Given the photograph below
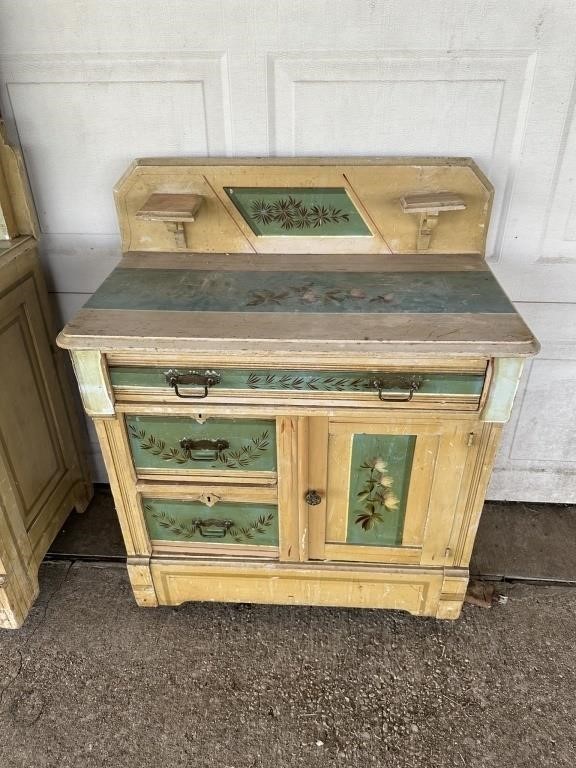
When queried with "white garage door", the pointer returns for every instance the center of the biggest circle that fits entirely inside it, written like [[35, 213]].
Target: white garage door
[[86, 85]]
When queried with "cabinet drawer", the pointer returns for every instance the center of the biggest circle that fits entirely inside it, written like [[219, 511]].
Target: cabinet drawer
[[240, 449], [225, 527], [371, 387]]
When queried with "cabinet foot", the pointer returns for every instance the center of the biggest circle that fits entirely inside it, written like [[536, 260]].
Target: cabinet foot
[[84, 495], [141, 581], [453, 593]]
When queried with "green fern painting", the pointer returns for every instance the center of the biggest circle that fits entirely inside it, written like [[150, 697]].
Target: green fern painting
[[226, 444], [299, 211], [224, 523]]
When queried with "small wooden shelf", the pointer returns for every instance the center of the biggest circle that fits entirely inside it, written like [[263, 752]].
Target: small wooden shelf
[[429, 206], [174, 209]]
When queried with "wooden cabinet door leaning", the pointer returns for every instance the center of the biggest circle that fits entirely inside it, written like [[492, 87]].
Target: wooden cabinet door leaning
[[42, 469], [298, 374]]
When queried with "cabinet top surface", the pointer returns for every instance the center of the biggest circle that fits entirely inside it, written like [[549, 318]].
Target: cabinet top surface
[[425, 304], [371, 256]]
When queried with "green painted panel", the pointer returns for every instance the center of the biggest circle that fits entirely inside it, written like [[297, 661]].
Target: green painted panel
[[379, 480], [306, 292], [156, 443], [298, 211], [224, 523], [308, 381]]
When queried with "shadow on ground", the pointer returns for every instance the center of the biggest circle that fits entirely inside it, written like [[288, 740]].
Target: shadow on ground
[[514, 541], [92, 680]]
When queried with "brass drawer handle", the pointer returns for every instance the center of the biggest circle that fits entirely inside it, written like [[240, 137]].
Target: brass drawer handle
[[213, 447], [212, 529], [380, 384], [207, 379]]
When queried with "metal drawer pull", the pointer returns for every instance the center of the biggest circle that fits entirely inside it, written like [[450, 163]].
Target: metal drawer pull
[[178, 378], [380, 385], [213, 447], [212, 529]]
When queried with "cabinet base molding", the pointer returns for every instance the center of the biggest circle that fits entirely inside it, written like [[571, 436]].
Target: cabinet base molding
[[419, 591]]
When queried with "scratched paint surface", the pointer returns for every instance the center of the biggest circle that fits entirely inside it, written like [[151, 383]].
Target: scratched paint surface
[[301, 292]]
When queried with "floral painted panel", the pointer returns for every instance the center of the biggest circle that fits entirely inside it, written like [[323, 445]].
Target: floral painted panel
[[309, 292], [379, 481], [217, 444], [224, 523], [298, 211]]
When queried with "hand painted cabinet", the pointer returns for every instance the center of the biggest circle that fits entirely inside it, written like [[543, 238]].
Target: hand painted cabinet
[[298, 374], [43, 474]]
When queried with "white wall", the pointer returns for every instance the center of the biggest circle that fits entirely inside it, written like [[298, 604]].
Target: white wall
[[86, 85]]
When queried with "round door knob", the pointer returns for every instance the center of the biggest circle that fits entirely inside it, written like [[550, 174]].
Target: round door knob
[[313, 498]]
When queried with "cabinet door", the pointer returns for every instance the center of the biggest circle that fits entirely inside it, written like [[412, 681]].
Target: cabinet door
[[389, 490], [43, 475]]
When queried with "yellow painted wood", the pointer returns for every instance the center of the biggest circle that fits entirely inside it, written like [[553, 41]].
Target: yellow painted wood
[[285, 407], [195, 491], [482, 453], [190, 333], [419, 491], [317, 462], [416, 590], [122, 478], [280, 360], [17, 214], [161, 206], [505, 380], [379, 183], [43, 472], [94, 382], [292, 537], [439, 461]]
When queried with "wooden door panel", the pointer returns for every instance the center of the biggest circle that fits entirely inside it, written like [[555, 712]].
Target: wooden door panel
[[42, 474], [33, 457], [28, 430], [37, 445]]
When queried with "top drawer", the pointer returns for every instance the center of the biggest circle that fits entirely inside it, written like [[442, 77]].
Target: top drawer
[[460, 389]]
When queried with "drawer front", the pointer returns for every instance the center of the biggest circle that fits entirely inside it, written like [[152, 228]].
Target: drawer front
[[363, 384], [225, 525], [220, 446]]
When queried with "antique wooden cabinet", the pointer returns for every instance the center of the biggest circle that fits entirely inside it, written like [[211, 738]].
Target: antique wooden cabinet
[[43, 474], [298, 374]]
